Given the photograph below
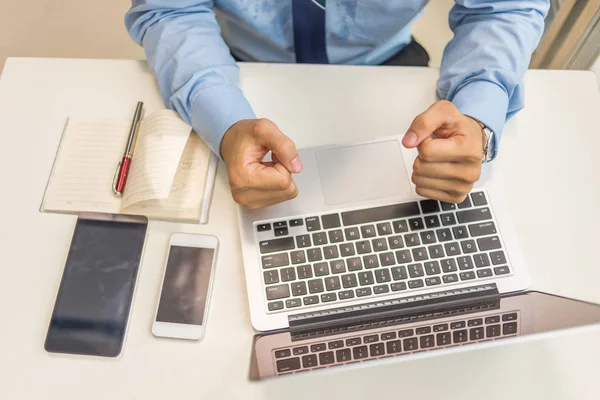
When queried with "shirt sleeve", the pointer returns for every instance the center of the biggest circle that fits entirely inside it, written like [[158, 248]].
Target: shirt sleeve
[[196, 73], [484, 64]]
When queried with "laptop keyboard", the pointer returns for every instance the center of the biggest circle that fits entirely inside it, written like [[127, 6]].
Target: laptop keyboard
[[373, 252], [354, 347]]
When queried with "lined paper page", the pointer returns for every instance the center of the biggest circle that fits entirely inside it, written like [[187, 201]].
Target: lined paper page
[[85, 166], [187, 192], [161, 138]]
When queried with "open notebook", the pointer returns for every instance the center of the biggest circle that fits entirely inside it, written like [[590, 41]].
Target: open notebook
[[171, 177]]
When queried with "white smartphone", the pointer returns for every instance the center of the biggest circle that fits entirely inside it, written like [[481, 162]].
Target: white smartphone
[[186, 287]]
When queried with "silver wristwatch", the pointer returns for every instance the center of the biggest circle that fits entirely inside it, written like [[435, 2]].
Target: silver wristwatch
[[488, 143]]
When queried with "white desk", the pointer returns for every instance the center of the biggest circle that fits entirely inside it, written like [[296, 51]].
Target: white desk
[[549, 161]]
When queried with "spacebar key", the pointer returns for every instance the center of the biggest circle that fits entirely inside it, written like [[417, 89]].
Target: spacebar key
[[273, 245], [380, 213]]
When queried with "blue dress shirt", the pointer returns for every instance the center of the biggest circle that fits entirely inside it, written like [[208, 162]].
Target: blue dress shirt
[[188, 43]]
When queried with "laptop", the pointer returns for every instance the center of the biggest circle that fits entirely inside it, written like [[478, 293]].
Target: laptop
[[479, 319], [358, 238]]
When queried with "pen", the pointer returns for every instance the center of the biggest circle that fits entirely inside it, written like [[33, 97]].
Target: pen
[[123, 166]]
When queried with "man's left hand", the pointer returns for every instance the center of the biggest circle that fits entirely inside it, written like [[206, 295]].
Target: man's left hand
[[450, 146]]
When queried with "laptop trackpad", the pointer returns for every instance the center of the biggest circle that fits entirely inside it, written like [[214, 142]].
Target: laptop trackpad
[[362, 172]]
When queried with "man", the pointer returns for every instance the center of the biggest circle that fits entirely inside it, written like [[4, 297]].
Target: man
[[189, 45]]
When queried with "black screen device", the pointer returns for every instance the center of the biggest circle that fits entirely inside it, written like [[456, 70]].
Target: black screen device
[[96, 291]]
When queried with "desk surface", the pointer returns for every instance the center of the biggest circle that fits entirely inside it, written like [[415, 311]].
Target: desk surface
[[548, 161]]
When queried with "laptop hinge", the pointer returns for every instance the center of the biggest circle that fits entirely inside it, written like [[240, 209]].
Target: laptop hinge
[[419, 304]]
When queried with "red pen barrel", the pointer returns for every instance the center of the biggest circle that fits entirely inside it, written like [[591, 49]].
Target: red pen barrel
[[123, 173]]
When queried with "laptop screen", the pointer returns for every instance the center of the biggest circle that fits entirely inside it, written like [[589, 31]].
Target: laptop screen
[[510, 316]]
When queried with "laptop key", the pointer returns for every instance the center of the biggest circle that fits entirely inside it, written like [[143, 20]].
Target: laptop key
[[321, 269], [419, 254], [377, 349], [465, 276], [476, 333], [276, 305], [368, 231], [345, 294], [352, 233], [501, 270], [394, 346], [263, 227], [349, 281], [271, 276], [416, 224], [475, 215], [326, 358], [278, 292], [440, 327], [298, 351], [406, 333], [484, 273], [429, 206], [415, 270], [481, 260], [416, 283], [290, 364], [309, 361], [460, 232], [468, 246], [360, 352], [275, 245], [451, 278], [319, 238], [347, 249], [296, 222], [399, 273], [412, 239], [432, 281], [465, 262], [388, 336], [509, 328], [492, 320], [403, 256], [466, 203], [304, 271], [283, 353], [458, 325], [363, 247], [303, 241], [331, 221], [314, 254], [328, 297], [492, 330], [371, 338], [410, 344], [384, 228], [336, 236], [353, 341], [423, 330], [362, 292], [330, 252], [292, 303], [354, 264], [460, 336], [400, 226], [509, 317], [478, 199], [436, 251], [432, 221], [398, 286], [336, 344], [343, 355], [475, 322], [281, 231], [489, 243], [387, 259], [332, 283], [315, 348], [432, 268], [315, 286], [448, 265], [309, 300], [365, 278], [313, 224], [379, 244], [427, 237], [443, 339], [288, 274], [444, 235], [337, 266], [448, 206], [370, 261], [498, 257], [298, 257], [427, 341], [382, 275], [396, 242], [299, 288], [452, 249], [448, 219], [381, 289], [482, 228]]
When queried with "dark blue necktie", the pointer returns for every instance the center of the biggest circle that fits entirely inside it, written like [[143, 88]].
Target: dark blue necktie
[[309, 31]]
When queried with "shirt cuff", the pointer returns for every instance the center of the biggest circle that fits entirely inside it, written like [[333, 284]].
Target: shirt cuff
[[486, 102], [215, 109]]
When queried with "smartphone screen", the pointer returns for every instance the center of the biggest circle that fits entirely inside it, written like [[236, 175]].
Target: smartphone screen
[[94, 299], [185, 287]]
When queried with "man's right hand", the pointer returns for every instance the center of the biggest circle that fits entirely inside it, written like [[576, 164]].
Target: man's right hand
[[256, 184]]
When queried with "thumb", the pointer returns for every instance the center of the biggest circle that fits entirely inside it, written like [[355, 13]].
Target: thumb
[[425, 124], [284, 150]]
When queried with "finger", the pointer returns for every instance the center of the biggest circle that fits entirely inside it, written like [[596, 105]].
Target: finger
[[447, 170], [254, 199], [452, 149], [268, 176], [450, 186], [437, 116], [267, 134], [439, 195]]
